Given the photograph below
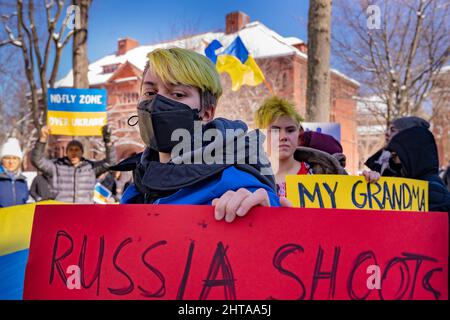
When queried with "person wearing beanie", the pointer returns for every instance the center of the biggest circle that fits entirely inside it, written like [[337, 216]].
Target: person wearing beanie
[[323, 142], [320, 141], [13, 184], [404, 123], [381, 160], [72, 177]]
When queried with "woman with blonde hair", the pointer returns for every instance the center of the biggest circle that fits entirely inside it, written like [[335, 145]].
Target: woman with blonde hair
[[279, 116]]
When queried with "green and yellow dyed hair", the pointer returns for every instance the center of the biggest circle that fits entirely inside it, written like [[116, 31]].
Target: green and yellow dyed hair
[[186, 67], [273, 108]]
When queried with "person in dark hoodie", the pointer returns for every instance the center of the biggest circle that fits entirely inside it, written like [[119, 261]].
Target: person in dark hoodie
[[179, 94], [415, 151], [382, 161]]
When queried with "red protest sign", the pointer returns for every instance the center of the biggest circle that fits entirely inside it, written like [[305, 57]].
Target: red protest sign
[[181, 252]]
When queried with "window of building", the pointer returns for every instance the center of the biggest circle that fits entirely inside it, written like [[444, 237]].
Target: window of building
[[129, 97], [110, 68]]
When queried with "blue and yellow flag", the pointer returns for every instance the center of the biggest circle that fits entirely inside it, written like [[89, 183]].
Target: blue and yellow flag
[[237, 62], [101, 194], [15, 232]]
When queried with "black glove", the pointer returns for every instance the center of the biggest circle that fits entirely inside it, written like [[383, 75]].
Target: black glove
[[106, 132]]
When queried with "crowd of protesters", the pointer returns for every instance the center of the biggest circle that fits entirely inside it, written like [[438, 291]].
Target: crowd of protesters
[[179, 87]]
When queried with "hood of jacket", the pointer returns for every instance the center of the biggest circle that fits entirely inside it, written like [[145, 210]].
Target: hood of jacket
[[17, 176], [321, 162], [65, 161], [230, 144], [417, 151]]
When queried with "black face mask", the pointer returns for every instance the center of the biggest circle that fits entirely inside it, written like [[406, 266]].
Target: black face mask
[[160, 117]]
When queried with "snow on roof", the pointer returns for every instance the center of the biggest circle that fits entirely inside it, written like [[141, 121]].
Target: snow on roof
[[261, 42], [340, 74], [371, 130], [126, 79], [445, 69], [369, 104], [293, 40]]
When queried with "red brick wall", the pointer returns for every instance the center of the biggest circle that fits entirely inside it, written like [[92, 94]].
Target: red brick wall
[[126, 44], [235, 21], [122, 103], [343, 111]]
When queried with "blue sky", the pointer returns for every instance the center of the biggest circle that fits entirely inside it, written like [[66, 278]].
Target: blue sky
[[151, 21]]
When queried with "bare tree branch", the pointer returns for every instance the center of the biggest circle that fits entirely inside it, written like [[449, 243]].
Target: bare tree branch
[[398, 60], [36, 58]]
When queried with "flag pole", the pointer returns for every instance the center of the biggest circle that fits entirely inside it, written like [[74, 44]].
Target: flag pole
[[268, 86]]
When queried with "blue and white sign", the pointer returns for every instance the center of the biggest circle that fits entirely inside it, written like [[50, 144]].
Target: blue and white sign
[[331, 128]]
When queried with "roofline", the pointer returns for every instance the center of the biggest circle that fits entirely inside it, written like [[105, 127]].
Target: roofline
[[302, 55], [180, 38], [250, 24]]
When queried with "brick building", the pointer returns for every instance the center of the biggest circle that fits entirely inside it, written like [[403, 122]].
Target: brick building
[[283, 60], [440, 97]]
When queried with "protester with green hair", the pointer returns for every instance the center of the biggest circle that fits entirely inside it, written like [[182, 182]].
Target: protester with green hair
[[283, 124], [179, 94]]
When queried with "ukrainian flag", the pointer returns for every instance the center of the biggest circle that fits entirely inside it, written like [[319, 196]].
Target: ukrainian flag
[[101, 194], [16, 223], [237, 62]]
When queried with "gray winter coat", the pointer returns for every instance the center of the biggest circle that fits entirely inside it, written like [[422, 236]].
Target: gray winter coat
[[69, 183]]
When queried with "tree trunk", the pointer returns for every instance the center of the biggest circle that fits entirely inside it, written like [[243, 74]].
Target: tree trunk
[[80, 62], [79, 53], [318, 83]]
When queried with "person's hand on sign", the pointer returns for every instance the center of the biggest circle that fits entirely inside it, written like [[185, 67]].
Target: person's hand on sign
[[106, 133], [239, 203], [371, 176], [45, 132]]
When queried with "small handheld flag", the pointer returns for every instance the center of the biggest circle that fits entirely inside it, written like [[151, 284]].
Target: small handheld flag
[[101, 194]]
